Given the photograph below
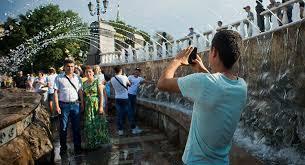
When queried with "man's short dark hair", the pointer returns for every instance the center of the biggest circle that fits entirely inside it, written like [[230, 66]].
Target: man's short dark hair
[[117, 69], [227, 43], [52, 70], [68, 61]]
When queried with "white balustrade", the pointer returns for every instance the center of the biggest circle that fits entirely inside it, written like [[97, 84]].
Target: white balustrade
[[283, 8], [202, 41]]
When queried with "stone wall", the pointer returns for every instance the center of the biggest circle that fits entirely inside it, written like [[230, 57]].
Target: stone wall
[[25, 134], [273, 66]]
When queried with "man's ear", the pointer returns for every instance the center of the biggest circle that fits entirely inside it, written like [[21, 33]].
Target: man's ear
[[214, 52]]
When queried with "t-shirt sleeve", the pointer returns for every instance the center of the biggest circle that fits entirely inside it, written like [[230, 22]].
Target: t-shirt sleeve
[[193, 86]]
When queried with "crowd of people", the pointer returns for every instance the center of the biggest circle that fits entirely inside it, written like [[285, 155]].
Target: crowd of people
[[77, 93]]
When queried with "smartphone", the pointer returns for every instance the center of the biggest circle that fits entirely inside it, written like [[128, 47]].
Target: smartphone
[[192, 56]]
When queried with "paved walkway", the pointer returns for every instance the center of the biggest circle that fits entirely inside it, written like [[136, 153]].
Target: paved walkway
[[149, 148]]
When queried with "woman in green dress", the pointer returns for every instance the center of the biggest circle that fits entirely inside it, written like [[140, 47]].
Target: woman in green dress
[[95, 125]]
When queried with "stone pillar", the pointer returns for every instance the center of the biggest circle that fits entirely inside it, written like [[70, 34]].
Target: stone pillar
[[139, 41], [103, 41]]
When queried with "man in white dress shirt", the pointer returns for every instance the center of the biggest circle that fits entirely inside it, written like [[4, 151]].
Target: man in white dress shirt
[[68, 92]]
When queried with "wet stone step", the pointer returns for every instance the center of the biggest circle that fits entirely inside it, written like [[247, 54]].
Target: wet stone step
[[126, 140]]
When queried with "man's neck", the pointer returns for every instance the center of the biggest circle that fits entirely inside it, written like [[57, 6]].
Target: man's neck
[[69, 74], [227, 72]]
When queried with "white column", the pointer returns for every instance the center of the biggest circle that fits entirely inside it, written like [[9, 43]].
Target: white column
[[155, 51], [185, 44], [116, 58], [163, 55], [106, 59], [267, 22], [174, 49], [275, 22], [285, 16], [146, 52], [250, 30], [195, 41], [122, 56], [130, 54], [137, 56], [179, 46], [201, 43], [242, 29], [109, 58]]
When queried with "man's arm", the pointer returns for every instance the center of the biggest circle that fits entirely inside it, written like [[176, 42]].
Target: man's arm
[[101, 99], [128, 83], [167, 82], [56, 101]]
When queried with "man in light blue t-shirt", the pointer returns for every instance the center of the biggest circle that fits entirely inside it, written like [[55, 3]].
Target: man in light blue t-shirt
[[219, 97]]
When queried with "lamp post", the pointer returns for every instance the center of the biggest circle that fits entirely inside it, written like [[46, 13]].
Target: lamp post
[[98, 10]]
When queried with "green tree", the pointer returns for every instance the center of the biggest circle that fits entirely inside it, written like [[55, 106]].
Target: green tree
[[46, 32]]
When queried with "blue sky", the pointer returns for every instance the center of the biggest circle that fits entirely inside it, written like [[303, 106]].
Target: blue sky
[[172, 16]]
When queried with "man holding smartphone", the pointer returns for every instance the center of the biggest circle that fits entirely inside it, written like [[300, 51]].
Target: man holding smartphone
[[219, 97]]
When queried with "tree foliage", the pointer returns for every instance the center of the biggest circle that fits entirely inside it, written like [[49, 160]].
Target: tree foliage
[[41, 30], [128, 30]]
